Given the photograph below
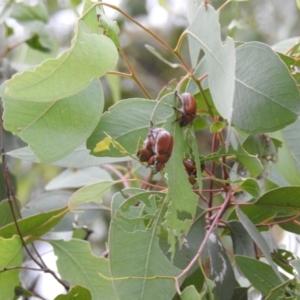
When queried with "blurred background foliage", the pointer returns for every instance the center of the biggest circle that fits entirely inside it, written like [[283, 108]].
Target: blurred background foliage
[[31, 31], [34, 30]]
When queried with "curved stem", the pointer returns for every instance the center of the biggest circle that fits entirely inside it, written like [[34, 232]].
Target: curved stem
[[118, 173], [135, 22], [224, 5], [208, 233], [13, 206], [214, 144], [133, 75]]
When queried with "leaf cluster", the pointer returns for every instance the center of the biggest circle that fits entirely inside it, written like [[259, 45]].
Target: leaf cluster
[[167, 238]]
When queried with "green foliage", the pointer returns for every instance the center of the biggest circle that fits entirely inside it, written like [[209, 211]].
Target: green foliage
[[261, 275], [70, 127], [75, 254], [192, 231], [11, 256], [260, 78], [76, 292]]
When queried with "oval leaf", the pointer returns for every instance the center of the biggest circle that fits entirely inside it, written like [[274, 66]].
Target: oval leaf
[[220, 58], [283, 199], [34, 226], [90, 193], [261, 275], [68, 122], [79, 266], [79, 158], [92, 54], [11, 255], [266, 96]]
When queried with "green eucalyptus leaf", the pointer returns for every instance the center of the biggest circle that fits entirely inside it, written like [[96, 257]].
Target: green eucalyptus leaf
[[89, 15], [77, 265], [296, 265], [34, 226], [282, 258], [68, 122], [288, 164], [263, 146], [242, 241], [250, 186], [282, 199], [90, 193], [55, 200], [6, 215], [37, 43], [259, 240], [128, 132], [190, 293], [20, 291], [251, 162], [181, 199], [258, 214], [221, 272], [11, 255], [240, 293], [23, 12], [185, 253], [137, 257], [110, 29], [59, 78], [289, 61], [73, 178], [219, 56], [261, 275], [284, 291], [160, 57], [217, 126], [290, 226], [132, 131], [79, 158], [136, 210], [46, 202], [285, 45], [78, 292], [266, 96]]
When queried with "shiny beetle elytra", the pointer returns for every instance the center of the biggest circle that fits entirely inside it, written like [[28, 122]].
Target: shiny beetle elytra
[[162, 149], [188, 110], [191, 170], [145, 153], [157, 148]]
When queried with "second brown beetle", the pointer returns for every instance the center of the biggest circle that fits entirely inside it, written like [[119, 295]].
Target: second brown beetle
[[163, 149], [188, 109], [190, 168], [144, 154]]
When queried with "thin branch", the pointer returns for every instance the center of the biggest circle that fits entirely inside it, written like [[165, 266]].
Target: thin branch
[[292, 219], [118, 173], [10, 196], [208, 233], [133, 74], [224, 5]]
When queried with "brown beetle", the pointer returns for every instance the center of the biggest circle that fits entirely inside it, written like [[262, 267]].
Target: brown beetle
[[157, 148], [191, 170], [144, 154], [163, 149], [188, 109]]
